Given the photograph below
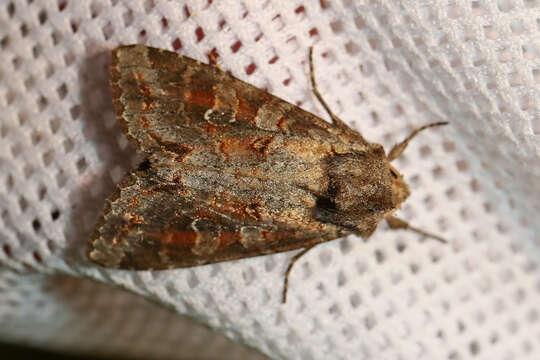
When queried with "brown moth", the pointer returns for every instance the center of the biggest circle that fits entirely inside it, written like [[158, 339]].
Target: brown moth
[[232, 171]]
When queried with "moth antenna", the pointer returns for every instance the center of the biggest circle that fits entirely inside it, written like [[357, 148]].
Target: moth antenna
[[288, 271], [337, 121], [396, 223], [398, 149]]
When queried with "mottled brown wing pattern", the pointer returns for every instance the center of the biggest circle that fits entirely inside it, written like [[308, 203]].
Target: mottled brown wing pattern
[[179, 110], [233, 171], [198, 226], [157, 93]]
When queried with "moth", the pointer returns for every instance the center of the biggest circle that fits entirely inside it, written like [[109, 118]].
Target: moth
[[232, 171]]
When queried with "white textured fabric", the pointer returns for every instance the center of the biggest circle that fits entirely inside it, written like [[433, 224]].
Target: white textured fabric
[[385, 67]]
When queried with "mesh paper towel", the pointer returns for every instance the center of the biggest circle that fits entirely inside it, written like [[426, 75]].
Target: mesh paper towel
[[385, 67]]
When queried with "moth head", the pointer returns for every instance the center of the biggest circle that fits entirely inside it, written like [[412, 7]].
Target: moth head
[[400, 189]]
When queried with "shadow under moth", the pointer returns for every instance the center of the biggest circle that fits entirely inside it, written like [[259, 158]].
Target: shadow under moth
[[232, 171]]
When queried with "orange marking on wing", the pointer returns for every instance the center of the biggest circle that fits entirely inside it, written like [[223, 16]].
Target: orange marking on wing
[[272, 236], [203, 213], [224, 203], [145, 90], [182, 152], [210, 129], [177, 178], [134, 219], [227, 238], [134, 202], [137, 75], [146, 106], [145, 123], [199, 97], [177, 237], [233, 147], [282, 123], [244, 111], [252, 210], [262, 144]]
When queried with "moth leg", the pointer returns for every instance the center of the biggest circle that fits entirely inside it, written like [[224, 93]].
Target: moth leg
[[288, 271], [398, 149], [396, 223], [213, 60], [337, 121]]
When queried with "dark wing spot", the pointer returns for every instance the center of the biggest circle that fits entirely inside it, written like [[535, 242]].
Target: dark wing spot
[[145, 165]]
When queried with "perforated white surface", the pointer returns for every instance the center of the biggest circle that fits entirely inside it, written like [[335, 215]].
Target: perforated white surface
[[385, 67]]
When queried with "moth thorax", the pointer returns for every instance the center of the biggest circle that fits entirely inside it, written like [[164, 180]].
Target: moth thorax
[[360, 187]]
